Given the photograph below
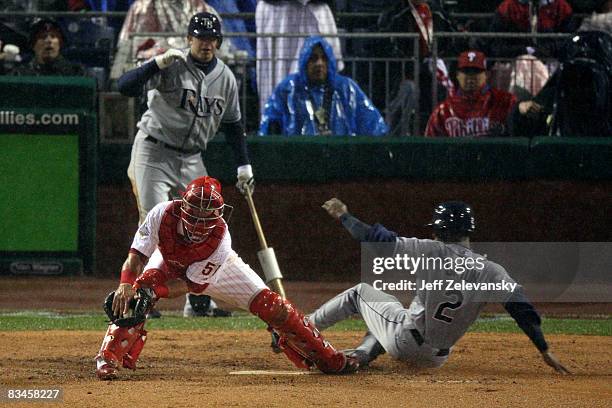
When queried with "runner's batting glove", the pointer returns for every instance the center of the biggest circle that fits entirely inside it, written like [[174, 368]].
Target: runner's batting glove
[[166, 59], [245, 179]]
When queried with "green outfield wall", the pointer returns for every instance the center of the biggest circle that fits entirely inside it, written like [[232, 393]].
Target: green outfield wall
[[326, 159], [48, 150]]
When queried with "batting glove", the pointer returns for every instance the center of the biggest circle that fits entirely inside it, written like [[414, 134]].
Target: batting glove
[[166, 59], [245, 179]]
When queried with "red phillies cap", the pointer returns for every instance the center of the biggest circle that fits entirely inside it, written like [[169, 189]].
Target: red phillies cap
[[472, 59]]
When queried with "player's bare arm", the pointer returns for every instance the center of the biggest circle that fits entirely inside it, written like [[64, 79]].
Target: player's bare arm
[[133, 265], [335, 208]]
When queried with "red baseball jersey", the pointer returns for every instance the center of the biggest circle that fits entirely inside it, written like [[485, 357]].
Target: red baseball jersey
[[480, 114], [551, 14], [181, 259]]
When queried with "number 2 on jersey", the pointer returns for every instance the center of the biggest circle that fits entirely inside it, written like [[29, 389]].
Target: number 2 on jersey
[[449, 305], [210, 269]]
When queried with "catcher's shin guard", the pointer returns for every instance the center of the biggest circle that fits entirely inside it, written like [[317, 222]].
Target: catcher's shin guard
[[297, 333], [121, 346], [293, 355]]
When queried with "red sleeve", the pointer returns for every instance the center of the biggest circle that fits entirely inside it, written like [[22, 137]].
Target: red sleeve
[[565, 10], [435, 123], [76, 5], [504, 9]]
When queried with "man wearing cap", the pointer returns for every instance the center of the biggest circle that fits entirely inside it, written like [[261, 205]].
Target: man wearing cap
[[46, 40], [476, 109]]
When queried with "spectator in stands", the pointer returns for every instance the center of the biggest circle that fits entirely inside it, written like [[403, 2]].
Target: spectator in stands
[[577, 100], [236, 25], [317, 100], [76, 5], [42, 5], [530, 16], [423, 18], [601, 20], [277, 57], [100, 5], [158, 16], [586, 6], [476, 109], [46, 40]]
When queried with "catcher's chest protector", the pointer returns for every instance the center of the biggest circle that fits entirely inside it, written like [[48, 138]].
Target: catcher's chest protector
[[298, 334]]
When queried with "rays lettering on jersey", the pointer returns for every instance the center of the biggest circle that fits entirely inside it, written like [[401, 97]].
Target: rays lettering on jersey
[[456, 127], [203, 106]]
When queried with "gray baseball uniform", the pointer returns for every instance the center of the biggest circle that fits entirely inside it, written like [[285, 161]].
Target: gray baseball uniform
[[186, 106], [437, 318]]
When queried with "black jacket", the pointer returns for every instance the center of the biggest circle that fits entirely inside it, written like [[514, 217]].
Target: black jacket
[[58, 67]]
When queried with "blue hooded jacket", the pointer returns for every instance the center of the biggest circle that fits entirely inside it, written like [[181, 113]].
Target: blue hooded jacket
[[294, 102]]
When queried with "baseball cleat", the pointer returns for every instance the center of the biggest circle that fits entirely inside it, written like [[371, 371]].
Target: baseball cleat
[[154, 314], [350, 366], [362, 357], [106, 372]]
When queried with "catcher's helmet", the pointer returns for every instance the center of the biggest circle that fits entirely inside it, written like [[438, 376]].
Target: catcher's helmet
[[206, 25], [453, 216], [201, 208], [45, 24]]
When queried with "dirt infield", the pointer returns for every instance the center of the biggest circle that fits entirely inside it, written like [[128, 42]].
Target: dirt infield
[[191, 369]]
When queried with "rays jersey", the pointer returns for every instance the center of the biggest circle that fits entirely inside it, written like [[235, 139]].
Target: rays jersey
[[443, 313], [186, 107]]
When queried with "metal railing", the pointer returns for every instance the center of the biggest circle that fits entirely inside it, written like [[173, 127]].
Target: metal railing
[[354, 67]]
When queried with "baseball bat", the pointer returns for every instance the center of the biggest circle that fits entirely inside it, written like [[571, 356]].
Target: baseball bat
[[266, 255]]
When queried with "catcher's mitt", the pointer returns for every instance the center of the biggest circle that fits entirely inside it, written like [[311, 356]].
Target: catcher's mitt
[[140, 305]]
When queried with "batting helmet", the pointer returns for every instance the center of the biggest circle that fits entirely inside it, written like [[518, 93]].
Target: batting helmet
[[206, 25], [201, 208], [45, 24], [454, 217]]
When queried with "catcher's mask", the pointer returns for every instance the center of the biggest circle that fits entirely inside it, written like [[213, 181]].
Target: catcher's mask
[[202, 207]]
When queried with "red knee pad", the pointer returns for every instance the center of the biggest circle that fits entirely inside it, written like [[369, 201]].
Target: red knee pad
[[155, 279], [122, 345], [298, 334]]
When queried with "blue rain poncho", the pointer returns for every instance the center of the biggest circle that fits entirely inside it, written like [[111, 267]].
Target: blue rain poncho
[[294, 102]]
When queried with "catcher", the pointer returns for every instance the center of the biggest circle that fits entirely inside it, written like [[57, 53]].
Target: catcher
[[184, 246]]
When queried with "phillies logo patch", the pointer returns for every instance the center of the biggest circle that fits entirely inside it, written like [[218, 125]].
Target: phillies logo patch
[[471, 56]]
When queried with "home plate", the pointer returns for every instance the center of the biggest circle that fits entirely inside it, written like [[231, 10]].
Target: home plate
[[270, 372]]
